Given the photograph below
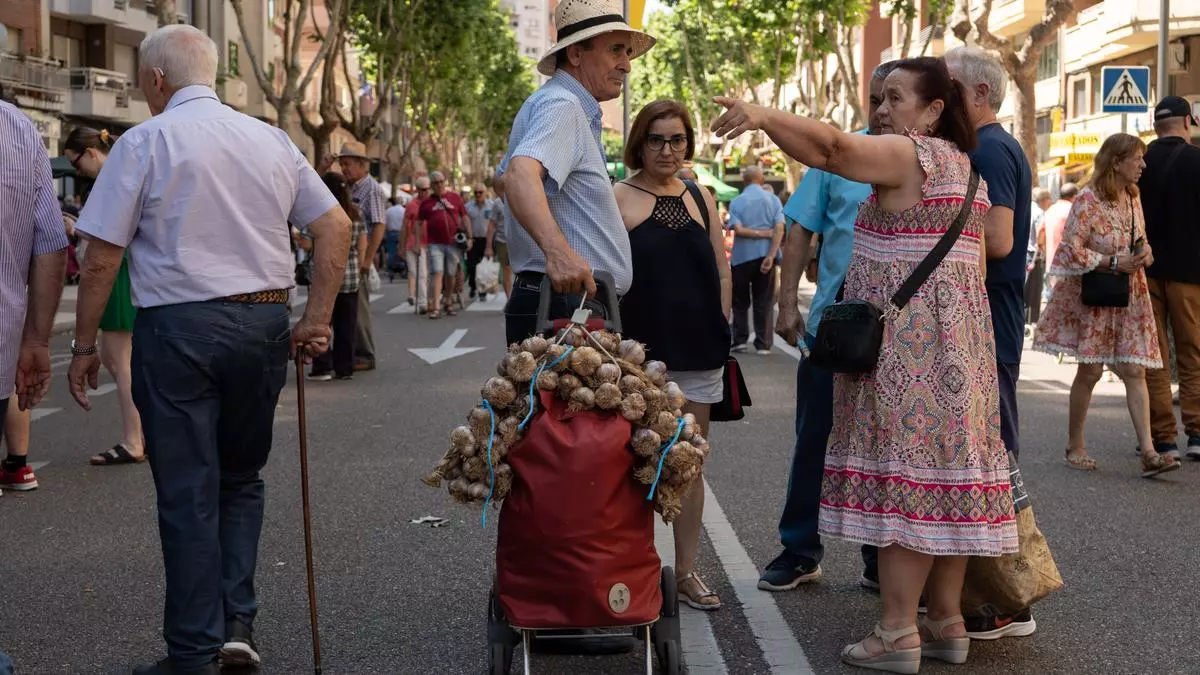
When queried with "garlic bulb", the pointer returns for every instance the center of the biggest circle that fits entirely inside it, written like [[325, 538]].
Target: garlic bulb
[[522, 367], [632, 384], [632, 351], [567, 383], [646, 443], [609, 340], [608, 373], [608, 396], [548, 380], [633, 408], [675, 397], [536, 345], [500, 392], [586, 361], [656, 371], [461, 437], [582, 398]]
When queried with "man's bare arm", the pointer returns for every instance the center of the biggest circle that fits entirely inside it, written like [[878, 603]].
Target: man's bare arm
[[46, 275], [331, 251], [998, 224], [100, 268]]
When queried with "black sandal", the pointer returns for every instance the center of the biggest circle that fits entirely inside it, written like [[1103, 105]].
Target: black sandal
[[117, 454]]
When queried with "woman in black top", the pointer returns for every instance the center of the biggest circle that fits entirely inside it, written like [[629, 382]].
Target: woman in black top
[[679, 302]]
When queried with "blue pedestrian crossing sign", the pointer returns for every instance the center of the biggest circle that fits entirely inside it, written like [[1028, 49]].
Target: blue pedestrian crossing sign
[[1125, 89]]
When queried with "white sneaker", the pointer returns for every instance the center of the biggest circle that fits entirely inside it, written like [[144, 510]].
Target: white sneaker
[[763, 352]]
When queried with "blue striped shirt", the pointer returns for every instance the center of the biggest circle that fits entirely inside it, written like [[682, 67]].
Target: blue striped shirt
[[31, 224], [559, 126]]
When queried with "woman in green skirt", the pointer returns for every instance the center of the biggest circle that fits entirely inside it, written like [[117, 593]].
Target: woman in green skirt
[[87, 149]]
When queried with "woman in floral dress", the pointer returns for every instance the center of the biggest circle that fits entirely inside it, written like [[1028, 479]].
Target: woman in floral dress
[[915, 463], [1106, 231]]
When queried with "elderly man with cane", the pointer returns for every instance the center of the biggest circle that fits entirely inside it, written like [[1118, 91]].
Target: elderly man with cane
[[206, 225]]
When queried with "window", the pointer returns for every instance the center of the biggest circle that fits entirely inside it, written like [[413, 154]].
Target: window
[[270, 9], [1047, 66], [515, 24], [232, 60], [1079, 100], [531, 51], [68, 50], [14, 39], [125, 61], [533, 22]]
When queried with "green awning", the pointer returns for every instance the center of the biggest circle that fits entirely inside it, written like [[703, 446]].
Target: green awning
[[61, 166], [725, 192]]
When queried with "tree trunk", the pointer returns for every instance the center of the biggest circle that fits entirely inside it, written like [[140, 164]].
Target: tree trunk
[[1025, 113]]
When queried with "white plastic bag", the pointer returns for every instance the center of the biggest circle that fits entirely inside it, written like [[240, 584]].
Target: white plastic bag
[[487, 275], [373, 281]]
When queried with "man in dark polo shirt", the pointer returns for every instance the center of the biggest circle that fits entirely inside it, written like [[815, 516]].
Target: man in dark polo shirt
[[1002, 163], [1170, 188]]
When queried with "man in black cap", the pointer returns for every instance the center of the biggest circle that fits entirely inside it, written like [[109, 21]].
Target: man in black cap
[[1170, 189]]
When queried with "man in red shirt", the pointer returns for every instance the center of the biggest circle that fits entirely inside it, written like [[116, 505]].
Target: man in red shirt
[[442, 215]]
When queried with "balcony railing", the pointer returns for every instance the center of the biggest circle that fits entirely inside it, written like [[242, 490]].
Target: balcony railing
[[96, 79], [42, 81]]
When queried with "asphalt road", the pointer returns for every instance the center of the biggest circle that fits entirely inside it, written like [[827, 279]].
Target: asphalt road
[[82, 574]]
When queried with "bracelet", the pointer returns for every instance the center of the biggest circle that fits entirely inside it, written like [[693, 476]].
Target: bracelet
[[82, 351], [1112, 263]]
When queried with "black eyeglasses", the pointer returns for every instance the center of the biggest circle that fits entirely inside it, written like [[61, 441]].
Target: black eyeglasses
[[656, 142], [75, 162]]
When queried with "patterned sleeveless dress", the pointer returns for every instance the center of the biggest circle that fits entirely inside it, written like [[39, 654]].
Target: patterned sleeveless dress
[[915, 457]]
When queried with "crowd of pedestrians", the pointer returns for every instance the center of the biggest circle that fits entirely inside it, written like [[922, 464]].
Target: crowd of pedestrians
[[911, 458]]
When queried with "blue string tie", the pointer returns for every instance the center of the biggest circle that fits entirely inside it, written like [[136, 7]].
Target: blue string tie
[[533, 385], [491, 470], [661, 460]]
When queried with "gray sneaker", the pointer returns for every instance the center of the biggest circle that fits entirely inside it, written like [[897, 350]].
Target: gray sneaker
[[1193, 449]]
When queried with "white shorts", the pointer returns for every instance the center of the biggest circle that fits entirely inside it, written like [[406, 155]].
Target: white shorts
[[701, 386]]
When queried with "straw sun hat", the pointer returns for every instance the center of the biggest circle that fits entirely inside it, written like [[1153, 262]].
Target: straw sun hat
[[578, 20]]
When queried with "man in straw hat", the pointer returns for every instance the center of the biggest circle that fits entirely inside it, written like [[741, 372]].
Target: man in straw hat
[[368, 197], [563, 220]]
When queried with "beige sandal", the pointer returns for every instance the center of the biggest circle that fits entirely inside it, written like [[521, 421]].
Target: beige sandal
[[935, 646], [1080, 461], [698, 601], [1157, 464], [892, 660]]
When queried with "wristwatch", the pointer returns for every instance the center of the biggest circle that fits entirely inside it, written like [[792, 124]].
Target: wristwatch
[[82, 351]]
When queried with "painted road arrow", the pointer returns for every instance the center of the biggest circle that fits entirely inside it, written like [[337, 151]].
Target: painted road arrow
[[446, 351]]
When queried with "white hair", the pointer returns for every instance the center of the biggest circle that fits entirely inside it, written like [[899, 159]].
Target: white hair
[[184, 54], [751, 173], [972, 67]]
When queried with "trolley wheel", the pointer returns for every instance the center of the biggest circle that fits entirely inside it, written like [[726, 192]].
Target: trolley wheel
[[669, 660], [501, 637], [666, 630]]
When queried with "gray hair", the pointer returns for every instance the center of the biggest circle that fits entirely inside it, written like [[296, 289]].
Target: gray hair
[[972, 66], [1040, 194], [184, 54], [750, 173], [884, 69], [1068, 191]]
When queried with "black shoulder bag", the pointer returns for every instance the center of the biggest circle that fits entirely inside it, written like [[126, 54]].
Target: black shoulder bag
[[851, 331], [736, 396], [1108, 287]]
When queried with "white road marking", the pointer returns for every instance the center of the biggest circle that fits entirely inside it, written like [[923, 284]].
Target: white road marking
[[64, 319], [70, 293], [494, 303], [779, 646], [39, 413], [701, 652], [37, 466], [445, 351], [403, 309]]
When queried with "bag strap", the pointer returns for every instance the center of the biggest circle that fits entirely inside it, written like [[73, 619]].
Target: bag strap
[[700, 203], [910, 286]]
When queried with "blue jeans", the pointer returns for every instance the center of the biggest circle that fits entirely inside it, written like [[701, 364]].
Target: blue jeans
[[814, 421], [6, 664], [391, 243], [206, 378]]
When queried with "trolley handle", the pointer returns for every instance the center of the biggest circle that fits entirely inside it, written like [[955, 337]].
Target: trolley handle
[[605, 292]]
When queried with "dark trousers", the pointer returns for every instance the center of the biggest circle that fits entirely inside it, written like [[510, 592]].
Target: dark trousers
[[814, 421], [520, 314], [1007, 375], [752, 286], [474, 256], [364, 340], [1034, 283], [340, 358], [206, 379]]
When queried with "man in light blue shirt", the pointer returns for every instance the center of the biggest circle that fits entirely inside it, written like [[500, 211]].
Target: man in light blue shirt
[[756, 218], [562, 218], [826, 205]]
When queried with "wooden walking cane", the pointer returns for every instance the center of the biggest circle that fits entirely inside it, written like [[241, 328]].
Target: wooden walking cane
[[308, 552]]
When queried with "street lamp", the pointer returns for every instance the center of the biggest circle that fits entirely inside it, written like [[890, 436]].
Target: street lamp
[[1164, 35]]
